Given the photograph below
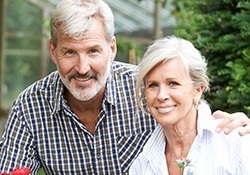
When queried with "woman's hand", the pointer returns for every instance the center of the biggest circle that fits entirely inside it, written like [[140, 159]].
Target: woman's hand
[[232, 121]]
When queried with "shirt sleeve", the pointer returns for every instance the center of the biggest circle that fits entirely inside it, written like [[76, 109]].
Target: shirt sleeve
[[17, 148], [243, 167]]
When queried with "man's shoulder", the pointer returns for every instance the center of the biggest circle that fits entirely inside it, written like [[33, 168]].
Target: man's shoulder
[[122, 67], [47, 84]]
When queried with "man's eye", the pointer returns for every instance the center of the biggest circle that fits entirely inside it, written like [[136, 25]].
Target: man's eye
[[69, 52], [94, 53], [93, 50]]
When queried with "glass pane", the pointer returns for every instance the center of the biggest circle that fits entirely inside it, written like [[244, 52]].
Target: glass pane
[[20, 71], [23, 48], [25, 43], [23, 16]]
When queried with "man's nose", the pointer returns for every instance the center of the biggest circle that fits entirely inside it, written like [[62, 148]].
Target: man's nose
[[83, 64]]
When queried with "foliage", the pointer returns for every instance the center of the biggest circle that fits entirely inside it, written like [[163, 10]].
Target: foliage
[[164, 2], [41, 172], [124, 45], [221, 30]]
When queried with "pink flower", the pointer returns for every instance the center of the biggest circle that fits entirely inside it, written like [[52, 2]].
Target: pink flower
[[183, 162]]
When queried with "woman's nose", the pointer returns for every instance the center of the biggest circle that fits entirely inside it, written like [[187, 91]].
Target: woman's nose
[[163, 94]]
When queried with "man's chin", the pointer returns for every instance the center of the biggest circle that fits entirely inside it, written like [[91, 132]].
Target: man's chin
[[84, 96]]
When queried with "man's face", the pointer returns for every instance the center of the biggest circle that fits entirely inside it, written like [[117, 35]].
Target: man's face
[[84, 65]]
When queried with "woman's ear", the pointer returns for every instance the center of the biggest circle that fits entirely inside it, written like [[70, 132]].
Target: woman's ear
[[52, 51], [198, 94]]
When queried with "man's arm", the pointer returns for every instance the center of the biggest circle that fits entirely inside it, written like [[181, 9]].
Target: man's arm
[[233, 121]]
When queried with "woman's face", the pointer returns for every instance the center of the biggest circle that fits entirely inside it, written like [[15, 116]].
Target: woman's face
[[170, 93]]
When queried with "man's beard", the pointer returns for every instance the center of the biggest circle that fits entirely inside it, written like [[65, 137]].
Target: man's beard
[[84, 93]]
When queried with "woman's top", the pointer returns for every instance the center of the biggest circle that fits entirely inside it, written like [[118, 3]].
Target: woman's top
[[211, 153]]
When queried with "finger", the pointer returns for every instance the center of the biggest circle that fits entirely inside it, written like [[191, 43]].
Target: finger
[[227, 118], [237, 122], [231, 121], [221, 114], [245, 130]]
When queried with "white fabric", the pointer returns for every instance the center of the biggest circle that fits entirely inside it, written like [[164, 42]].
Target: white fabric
[[211, 153]]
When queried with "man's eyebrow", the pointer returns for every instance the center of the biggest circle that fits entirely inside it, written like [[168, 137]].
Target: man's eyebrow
[[94, 46], [64, 49]]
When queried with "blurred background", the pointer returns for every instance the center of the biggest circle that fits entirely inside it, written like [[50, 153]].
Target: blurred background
[[219, 28], [25, 33]]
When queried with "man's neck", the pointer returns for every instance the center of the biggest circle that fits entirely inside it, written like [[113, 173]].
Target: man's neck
[[86, 111]]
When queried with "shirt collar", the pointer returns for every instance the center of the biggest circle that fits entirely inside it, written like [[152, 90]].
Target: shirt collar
[[157, 141], [110, 92], [59, 94], [206, 122]]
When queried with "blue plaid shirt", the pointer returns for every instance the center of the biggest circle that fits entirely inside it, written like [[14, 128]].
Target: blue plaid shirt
[[42, 130]]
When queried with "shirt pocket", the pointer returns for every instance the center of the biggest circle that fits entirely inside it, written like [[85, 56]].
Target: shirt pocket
[[129, 147]]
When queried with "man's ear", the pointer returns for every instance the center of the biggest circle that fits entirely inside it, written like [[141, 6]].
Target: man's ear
[[52, 51], [113, 48]]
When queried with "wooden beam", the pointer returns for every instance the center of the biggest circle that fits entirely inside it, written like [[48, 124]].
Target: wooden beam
[[3, 7], [44, 46]]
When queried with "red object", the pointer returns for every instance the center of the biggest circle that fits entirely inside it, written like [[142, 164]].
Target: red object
[[18, 171], [4, 174]]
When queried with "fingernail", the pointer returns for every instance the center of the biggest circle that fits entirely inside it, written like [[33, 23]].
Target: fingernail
[[226, 130], [241, 133], [218, 129]]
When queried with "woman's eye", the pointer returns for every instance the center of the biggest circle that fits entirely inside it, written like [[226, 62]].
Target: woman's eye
[[152, 85], [173, 84]]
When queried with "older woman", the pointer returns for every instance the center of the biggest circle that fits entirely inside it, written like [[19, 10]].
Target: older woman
[[173, 75]]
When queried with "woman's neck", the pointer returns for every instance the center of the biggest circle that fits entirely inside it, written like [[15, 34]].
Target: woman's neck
[[179, 139]]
